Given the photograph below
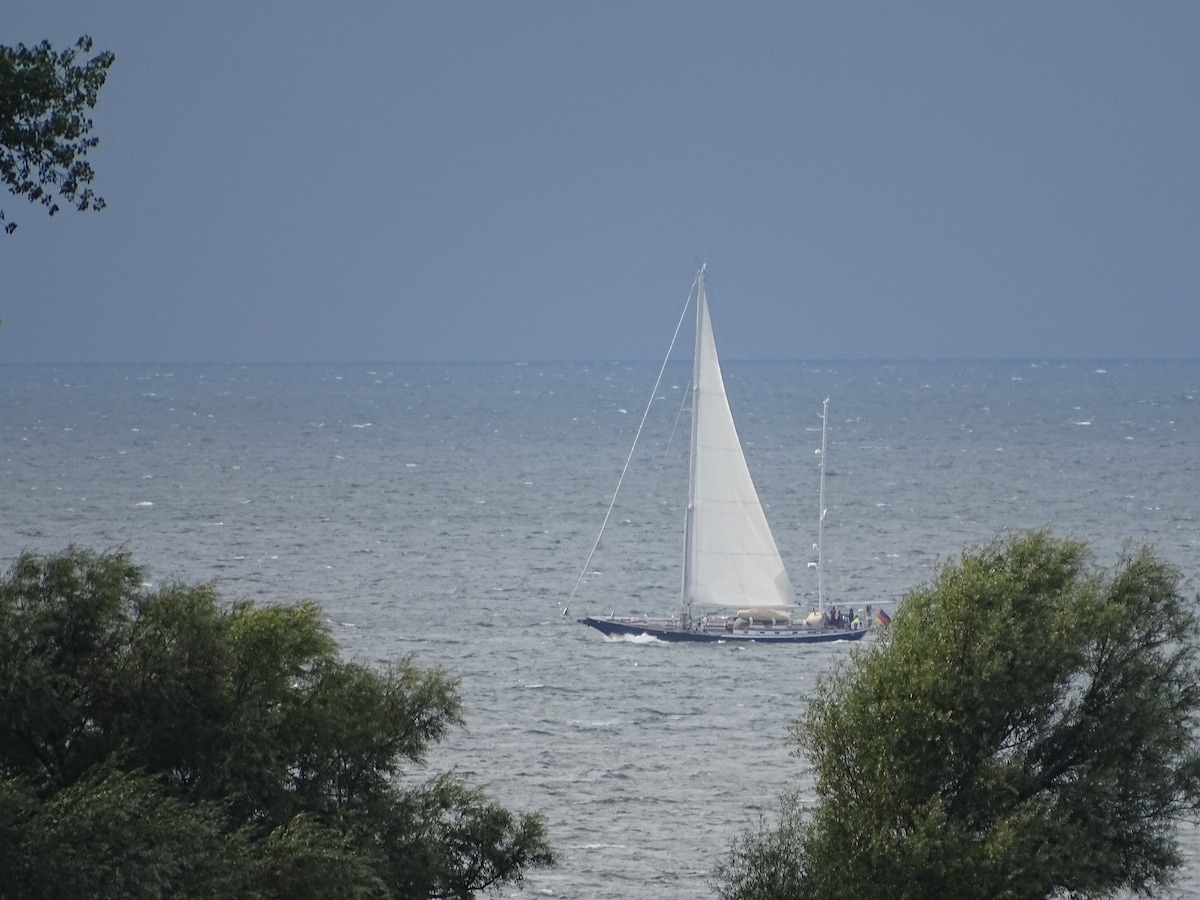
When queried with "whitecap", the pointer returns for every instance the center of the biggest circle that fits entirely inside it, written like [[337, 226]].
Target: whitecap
[[638, 639]]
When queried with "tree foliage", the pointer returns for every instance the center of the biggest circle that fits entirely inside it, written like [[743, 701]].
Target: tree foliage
[[161, 744], [1026, 728], [45, 131]]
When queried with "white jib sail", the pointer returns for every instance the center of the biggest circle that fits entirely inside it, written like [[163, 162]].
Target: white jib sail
[[731, 558]]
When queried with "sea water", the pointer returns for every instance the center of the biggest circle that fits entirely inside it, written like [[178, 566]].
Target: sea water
[[447, 511]]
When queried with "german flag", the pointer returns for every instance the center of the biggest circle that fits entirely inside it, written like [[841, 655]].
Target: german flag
[[883, 617]]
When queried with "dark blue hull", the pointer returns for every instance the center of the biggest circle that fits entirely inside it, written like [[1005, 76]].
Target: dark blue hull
[[670, 630]]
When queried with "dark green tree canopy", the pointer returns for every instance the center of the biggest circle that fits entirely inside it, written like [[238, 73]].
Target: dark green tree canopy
[[45, 132], [1026, 728], [163, 744]]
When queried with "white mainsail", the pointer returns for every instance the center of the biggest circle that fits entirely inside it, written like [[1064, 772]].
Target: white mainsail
[[730, 556]]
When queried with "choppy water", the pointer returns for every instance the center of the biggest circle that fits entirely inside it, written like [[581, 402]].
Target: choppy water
[[446, 511]]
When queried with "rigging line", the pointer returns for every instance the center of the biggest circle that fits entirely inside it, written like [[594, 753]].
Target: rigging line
[[687, 395], [637, 434], [662, 465]]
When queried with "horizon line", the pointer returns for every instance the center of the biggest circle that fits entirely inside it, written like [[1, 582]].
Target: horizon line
[[894, 360]]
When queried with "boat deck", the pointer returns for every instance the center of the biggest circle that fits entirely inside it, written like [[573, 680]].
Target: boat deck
[[717, 630]]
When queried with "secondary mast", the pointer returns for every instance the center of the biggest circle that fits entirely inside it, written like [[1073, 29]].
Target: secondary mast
[[821, 517]]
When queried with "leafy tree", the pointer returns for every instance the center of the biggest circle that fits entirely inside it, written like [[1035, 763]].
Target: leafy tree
[[1026, 728], [45, 132], [161, 744]]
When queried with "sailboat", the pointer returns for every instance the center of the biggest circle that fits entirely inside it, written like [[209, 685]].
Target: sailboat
[[735, 586]]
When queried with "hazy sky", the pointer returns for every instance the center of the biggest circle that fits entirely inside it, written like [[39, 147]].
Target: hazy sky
[[319, 181]]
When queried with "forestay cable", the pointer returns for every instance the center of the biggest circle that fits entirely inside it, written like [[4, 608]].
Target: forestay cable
[[636, 436]]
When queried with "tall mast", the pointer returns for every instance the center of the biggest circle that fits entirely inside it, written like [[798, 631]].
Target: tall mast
[[689, 522], [821, 517]]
